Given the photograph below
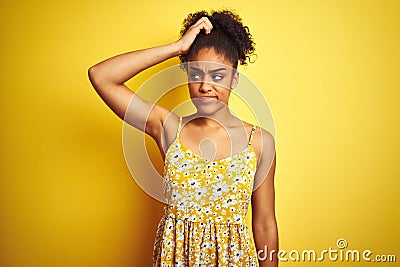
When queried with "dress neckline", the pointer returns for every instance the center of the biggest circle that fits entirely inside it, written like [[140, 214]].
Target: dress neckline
[[182, 145]]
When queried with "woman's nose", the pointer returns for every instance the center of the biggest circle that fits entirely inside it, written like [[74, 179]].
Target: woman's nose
[[205, 87]]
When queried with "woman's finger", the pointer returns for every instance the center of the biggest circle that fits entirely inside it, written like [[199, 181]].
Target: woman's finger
[[208, 22], [205, 26], [204, 23], [186, 41], [200, 20]]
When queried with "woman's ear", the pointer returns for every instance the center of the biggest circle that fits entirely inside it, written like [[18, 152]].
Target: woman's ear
[[235, 79]]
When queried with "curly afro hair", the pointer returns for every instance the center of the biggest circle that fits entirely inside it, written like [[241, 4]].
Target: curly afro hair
[[229, 37]]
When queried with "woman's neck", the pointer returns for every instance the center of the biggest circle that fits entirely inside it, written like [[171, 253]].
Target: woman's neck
[[222, 117]]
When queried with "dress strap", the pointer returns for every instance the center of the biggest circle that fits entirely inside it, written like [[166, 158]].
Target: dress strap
[[252, 134], [179, 126]]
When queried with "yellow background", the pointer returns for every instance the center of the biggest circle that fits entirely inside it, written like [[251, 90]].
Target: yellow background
[[329, 70]]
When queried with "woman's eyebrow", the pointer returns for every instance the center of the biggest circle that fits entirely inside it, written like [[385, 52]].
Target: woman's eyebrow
[[211, 71], [216, 70]]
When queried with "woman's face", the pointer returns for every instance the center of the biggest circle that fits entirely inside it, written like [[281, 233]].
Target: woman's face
[[210, 77]]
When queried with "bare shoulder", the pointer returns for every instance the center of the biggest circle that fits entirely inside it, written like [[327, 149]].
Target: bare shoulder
[[268, 139], [263, 143]]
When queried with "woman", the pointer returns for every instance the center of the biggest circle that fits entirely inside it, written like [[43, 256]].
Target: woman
[[212, 158]]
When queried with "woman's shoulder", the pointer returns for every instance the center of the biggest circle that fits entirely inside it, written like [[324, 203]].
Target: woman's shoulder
[[260, 132], [263, 141]]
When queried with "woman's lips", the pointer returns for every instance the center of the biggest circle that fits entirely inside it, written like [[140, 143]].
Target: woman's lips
[[207, 99]]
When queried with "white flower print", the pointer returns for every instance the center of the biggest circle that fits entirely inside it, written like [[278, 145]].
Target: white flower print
[[200, 192], [219, 176], [238, 254], [219, 189], [237, 218], [193, 182], [176, 196], [174, 157]]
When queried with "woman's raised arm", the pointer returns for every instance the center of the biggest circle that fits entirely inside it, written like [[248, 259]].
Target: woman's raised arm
[[108, 78]]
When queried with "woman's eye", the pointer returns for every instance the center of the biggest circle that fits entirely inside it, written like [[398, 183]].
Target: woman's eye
[[195, 76], [217, 77]]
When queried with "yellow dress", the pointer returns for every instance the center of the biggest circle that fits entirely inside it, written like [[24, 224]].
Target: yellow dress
[[204, 219]]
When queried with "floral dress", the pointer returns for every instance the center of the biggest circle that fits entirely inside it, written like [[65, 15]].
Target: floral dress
[[204, 219]]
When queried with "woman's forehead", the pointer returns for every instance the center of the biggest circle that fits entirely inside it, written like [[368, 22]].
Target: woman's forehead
[[208, 66], [208, 57]]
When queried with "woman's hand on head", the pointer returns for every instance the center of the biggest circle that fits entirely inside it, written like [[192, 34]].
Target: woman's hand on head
[[190, 35]]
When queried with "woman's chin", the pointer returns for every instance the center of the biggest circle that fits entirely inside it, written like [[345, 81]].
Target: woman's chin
[[208, 107]]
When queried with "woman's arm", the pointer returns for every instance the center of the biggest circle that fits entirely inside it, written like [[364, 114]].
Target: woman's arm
[[108, 78], [265, 230]]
